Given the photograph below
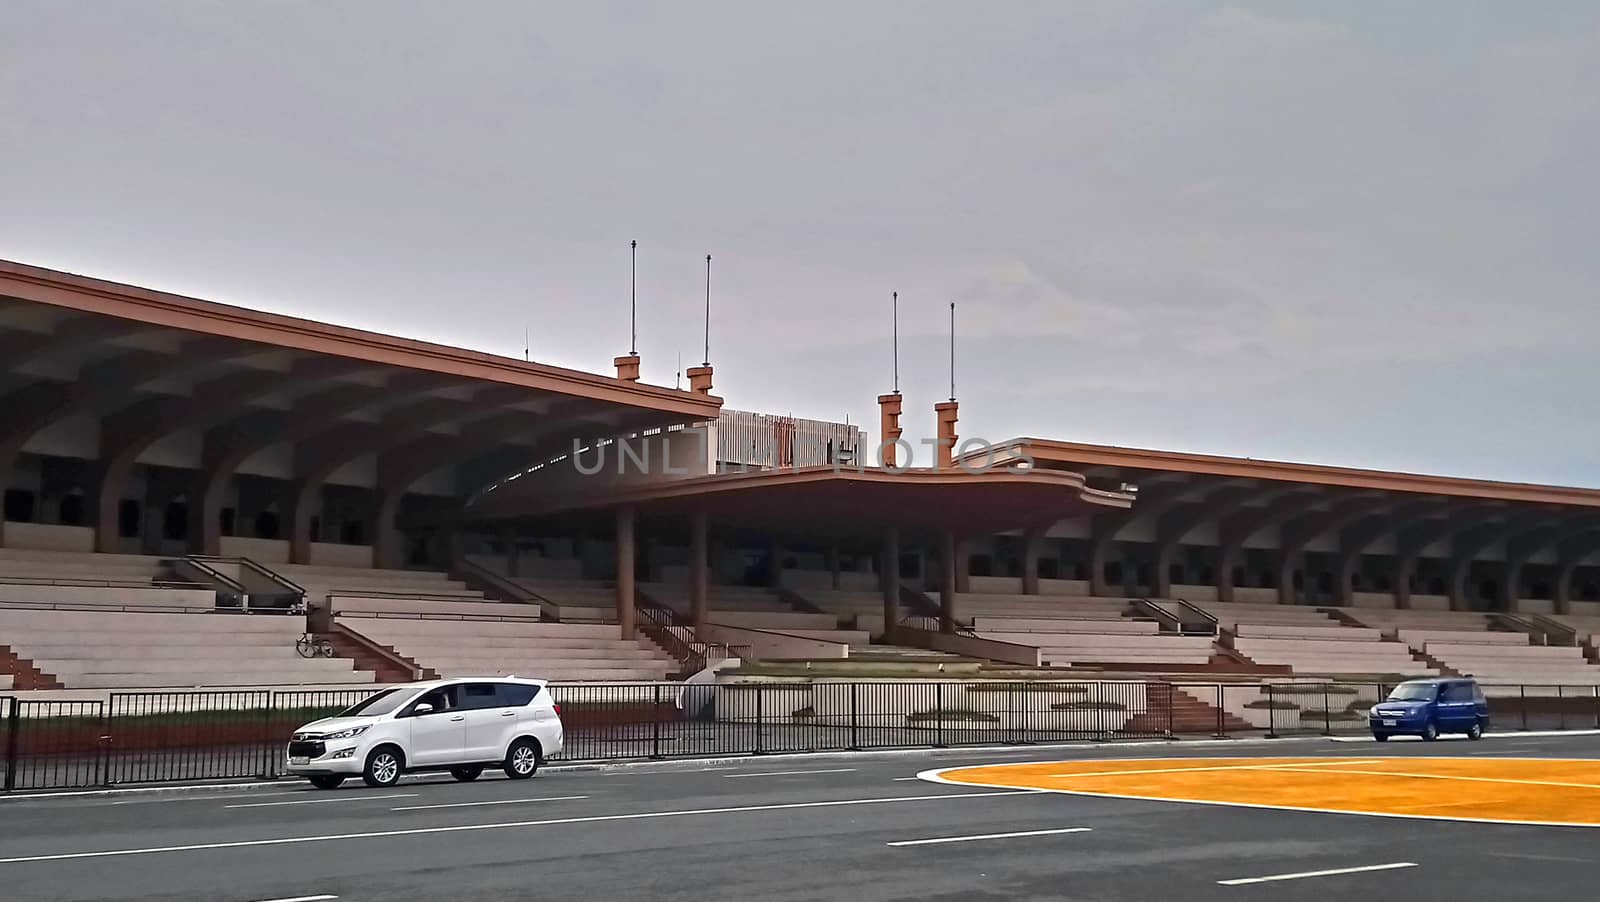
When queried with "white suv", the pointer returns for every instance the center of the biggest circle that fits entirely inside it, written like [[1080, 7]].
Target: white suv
[[461, 726]]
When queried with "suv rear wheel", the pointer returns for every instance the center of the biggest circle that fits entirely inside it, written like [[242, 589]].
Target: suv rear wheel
[[1475, 731], [384, 766], [522, 759]]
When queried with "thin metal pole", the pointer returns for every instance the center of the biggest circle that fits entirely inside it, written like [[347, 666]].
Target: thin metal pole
[[896, 310], [633, 298], [952, 350], [707, 361]]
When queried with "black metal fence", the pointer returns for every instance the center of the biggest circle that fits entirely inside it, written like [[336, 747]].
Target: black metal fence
[[154, 737]]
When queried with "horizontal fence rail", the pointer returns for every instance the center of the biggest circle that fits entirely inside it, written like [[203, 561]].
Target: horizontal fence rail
[[172, 736]]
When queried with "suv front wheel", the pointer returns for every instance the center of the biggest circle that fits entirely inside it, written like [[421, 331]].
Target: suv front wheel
[[522, 759], [384, 766]]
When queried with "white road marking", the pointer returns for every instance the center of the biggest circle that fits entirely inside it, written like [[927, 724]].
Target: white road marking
[[944, 839], [905, 779], [470, 828], [1197, 770], [350, 798], [495, 802], [1244, 881], [303, 899], [791, 773]]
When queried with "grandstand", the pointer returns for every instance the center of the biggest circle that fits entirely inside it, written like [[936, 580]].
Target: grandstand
[[169, 463]]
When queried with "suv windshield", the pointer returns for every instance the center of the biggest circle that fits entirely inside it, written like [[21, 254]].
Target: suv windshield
[[1412, 692], [378, 705]]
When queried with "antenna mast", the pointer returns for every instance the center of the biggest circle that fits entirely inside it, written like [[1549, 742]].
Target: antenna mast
[[952, 350], [633, 298], [707, 361], [896, 302]]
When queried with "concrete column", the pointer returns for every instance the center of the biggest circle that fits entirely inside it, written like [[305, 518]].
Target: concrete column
[[1405, 566], [106, 495], [775, 576], [625, 563], [833, 565], [890, 574], [946, 413], [947, 583], [699, 568], [1031, 553], [303, 497], [963, 552], [889, 430], [1099, 556]]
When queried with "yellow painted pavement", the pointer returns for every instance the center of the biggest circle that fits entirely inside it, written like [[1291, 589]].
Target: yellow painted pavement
[[1522, 790]]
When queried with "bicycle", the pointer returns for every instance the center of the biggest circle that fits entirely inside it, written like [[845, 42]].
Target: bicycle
[[313, 646]]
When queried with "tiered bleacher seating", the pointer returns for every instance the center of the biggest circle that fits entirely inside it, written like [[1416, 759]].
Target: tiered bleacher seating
[[79, 580], [1586, 627], [121, 650], [568, 652], [1078, 630], [355, 582], [574, 600], [863, 610], [754, 608], [1309, 641], [1506, 658], [1394, 620]]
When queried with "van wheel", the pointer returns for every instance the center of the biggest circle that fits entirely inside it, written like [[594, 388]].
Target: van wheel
[[327, 782], [383, 767], [467, 774], [522, 760], [1430, 731], [1475, 732]]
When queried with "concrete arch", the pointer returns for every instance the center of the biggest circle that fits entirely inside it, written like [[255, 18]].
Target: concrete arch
[[1300, 532], [1223, 500], [1569, 555], [127, 434], [1468, 545], [1413, 542], [100, 386], [230, 444], [319, 457], [1355, 539], [1235, 530], [1152, 501], [1522, 549]]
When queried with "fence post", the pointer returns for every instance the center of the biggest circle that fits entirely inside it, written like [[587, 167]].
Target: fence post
[[1561, 706], [938, 715], [269, 747], [1272, 714], [1522, 690], [1222, 725], [1018, 734], [761, 719], [13, 726], [102, 773], [655, 722], [1327, 716], [1596, 707], [855, 742]]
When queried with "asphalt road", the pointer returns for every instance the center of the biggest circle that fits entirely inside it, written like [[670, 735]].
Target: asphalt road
[[773, 829]]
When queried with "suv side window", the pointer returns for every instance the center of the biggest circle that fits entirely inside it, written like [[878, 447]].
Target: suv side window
[[1456, 692], [444, 698], [1477, 694], [517, 695], [480, 695]]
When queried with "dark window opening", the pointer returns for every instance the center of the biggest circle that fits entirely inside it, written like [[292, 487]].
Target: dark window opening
[[19, 506], [129, 515], [353, 532], [1049, 568], [71, 510], [226, 521], [980, 565], [267, 525], [175, 522]]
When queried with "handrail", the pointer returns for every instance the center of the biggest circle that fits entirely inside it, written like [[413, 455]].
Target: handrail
[[273, 575], [679, 639], [1204, 615], [129, 608], [217, 577], [522, 594], [435, 615], [1547, 625], [1148, 606], [933, 624], [289, 586]]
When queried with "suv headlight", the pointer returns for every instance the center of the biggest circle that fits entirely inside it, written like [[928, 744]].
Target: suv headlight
[[351, 733]]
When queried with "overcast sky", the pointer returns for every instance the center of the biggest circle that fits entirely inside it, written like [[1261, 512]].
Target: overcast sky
[[1338, 232]]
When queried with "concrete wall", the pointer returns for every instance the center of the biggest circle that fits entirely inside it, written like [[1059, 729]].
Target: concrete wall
[[47, 537]]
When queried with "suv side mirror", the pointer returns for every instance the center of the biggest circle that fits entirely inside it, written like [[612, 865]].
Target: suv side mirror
[[421, 709]]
